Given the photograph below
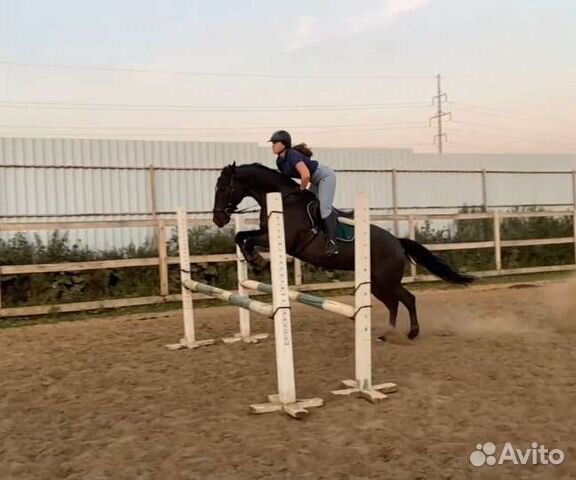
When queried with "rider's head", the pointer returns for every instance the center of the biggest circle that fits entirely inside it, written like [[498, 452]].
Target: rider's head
[[281, 141]]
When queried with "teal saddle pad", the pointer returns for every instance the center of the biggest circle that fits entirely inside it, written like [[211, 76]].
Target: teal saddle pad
[[345, 233]]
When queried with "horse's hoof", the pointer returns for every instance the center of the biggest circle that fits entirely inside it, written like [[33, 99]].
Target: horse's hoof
[[412, 334], [382, 338]]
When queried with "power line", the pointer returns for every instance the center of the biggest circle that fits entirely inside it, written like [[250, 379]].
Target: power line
[[210, 108], [228, 134], [499, 148], [491, 111], [518, 137], [214, 74], [264, 128], [484, 125], [201, 137]]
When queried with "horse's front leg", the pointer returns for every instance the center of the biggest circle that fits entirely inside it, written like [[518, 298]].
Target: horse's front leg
[[247, 241]]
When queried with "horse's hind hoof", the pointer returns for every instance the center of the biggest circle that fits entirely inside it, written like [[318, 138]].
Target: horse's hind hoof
[[412, 334]]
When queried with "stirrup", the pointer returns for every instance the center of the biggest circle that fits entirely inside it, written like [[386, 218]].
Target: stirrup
[[331, 248]]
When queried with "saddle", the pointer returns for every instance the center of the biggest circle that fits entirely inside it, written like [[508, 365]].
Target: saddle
[[345, 233]]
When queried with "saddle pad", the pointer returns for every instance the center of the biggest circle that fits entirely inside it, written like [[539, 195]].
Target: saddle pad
[[345, 233]]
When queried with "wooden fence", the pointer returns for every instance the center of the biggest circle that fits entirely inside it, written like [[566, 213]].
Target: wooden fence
[[162, 261]]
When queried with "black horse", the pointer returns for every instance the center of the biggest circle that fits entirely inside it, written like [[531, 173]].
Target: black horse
[[388, 253]]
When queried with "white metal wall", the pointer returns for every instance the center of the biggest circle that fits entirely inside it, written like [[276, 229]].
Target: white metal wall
[[40, 192], [132, 153]]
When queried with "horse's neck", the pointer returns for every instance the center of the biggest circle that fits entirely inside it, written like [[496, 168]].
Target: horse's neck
[[259, 185]]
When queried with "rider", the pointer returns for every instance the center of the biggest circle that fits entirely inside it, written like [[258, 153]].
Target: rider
[[296, 162]]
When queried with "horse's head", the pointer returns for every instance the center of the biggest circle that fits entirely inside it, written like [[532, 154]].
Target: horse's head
[[229, 193], [249, 180]]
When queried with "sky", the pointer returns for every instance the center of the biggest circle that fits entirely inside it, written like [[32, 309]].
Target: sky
[[336, 73]]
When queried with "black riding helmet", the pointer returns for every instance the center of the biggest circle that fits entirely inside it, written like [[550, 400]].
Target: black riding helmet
[[283, 137]]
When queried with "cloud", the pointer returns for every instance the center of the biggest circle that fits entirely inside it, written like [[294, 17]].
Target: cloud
[[313, 30]]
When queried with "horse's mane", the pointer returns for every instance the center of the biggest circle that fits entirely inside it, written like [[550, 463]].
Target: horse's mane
[[271, 174]]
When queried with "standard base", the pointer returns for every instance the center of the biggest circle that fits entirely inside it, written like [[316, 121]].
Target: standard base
[[192, 345], [250, 339], [373, 394], [295, 410]]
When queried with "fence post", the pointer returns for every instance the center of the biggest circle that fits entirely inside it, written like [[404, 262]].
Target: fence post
[[497, 244], [412, 236], [395, 200], [574, 206], [574, 188], [163, 258], [484, 191], [160, 233], [574, 232], [297, 272], [152, 184]]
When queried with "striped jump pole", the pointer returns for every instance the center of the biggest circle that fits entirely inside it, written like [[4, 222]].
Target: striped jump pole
[[241, 301], [305, 298]]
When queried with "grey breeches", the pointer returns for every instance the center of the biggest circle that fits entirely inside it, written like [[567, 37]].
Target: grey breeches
[[324, 186]]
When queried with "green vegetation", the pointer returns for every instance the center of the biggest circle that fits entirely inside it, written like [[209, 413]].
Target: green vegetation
[[90, 285]]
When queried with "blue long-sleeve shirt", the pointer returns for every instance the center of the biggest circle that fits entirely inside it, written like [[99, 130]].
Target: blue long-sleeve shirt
[[287, 165]]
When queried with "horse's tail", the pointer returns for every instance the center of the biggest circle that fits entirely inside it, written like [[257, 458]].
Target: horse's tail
[[422, 256]]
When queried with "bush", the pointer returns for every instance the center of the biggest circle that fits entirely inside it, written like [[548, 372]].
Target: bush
[[510, 229]]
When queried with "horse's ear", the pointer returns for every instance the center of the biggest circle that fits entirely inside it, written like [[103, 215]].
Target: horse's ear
[[234, 164]]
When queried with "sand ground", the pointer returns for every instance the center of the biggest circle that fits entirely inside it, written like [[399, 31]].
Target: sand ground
[[103, 398]]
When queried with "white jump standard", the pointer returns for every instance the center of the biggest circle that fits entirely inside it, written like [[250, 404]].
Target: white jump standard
[[360, 312], [285, 400], [244, 335], [240, 299], [362, 384], [189, 339]]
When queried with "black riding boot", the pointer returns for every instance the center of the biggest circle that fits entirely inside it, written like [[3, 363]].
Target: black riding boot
[[331, 227]]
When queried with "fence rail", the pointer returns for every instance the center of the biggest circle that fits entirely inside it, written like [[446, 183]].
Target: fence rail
[[162, 260]]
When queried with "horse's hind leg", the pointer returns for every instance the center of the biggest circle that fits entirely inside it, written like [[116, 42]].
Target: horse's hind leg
[[388, 298], [409, 301]]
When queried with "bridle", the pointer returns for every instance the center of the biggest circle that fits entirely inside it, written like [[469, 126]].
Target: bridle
[[230, 208]]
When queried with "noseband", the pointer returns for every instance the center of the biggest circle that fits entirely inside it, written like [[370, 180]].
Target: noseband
[[230, 207]]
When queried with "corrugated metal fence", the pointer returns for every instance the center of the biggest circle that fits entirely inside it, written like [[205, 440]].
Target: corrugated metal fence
[[113, 179]]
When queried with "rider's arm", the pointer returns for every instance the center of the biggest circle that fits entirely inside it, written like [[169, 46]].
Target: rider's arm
[[304, 175]]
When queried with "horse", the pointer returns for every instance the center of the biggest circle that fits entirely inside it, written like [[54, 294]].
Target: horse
[[304, 241]]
